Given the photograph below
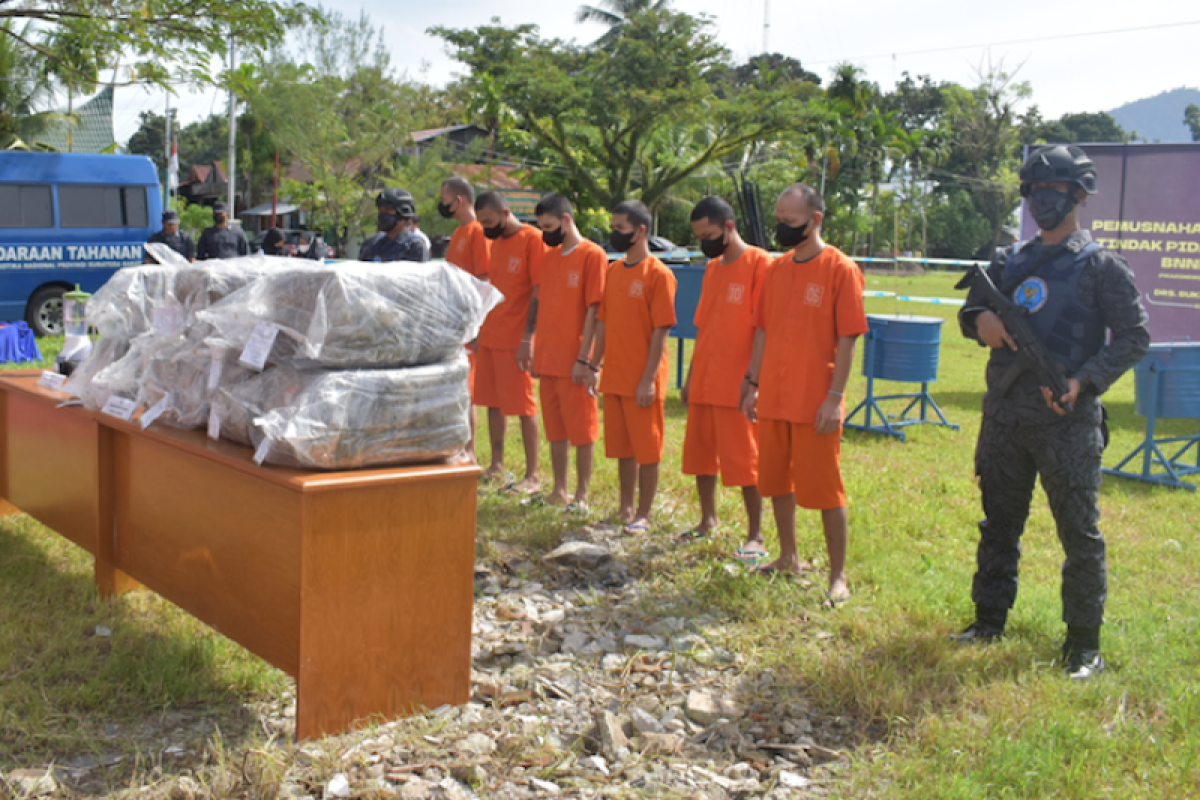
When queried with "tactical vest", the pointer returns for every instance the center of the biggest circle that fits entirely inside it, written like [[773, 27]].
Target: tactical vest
[[1072, 331]]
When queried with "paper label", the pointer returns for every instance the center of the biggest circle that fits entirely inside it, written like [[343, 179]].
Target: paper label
[[214, 370], [264, 449], [52, 380], [155, 411], [214, 426], [119, 407], [168, 319], [258, 348]]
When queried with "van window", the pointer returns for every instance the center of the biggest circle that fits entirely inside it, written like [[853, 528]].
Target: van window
[[102, 206], [25, 207]]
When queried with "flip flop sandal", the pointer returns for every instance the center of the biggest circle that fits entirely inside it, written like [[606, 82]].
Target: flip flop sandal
[[771, 572], [690, 535], [835, 601], [535, 500], [636, 527], [577, 510], [751, 555]]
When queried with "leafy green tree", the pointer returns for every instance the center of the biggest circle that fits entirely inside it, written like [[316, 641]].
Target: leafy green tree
[[25, 89], [1191, 118], [637, 118], [150, 139], [157, 35], [613, 14]]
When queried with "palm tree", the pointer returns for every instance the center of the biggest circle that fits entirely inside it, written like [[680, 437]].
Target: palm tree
[[614, 13]]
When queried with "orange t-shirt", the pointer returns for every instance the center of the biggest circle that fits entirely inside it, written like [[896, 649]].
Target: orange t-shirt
[[804, 309], [569, 285], [515, 268], [725, 327], [469, 249], [637, 300]]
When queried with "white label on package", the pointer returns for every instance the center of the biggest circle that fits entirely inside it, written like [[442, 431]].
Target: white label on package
[[259, 346], [214, 426], [52, 380], [264, 448], [214, 370], [119, 407], [155, 411], [168, 319]]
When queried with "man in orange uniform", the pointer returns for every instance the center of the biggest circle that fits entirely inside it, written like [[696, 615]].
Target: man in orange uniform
[[719, 438], [500, 385], [809, 315], [637, 312], [469, 250], [568, 296]]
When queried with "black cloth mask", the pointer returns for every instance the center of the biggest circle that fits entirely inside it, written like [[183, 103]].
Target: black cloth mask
[[387, 220], [444, 210], [621, 242], [789, 236], [553, 238], [494, 233], [714, 247], [1049, 207]]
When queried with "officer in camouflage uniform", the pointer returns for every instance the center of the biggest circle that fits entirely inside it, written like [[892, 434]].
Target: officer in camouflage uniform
[[1074, 290]]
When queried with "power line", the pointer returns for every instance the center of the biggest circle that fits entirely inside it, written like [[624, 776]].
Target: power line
[[1033, 40]]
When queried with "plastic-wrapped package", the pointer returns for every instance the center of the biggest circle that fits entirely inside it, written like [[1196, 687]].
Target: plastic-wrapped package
[[358, 315], [344, 419], [123, 377], [105, 351], [182, 369]]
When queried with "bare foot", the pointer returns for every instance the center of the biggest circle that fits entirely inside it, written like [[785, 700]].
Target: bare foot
[[557, 498], [493, 473], [839, 592], [527, 486]]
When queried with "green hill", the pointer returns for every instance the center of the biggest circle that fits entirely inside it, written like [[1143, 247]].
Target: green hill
[[1158, 118]]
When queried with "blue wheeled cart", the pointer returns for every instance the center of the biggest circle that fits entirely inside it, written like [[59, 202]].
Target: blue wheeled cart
[[900, 347], [1167, 382]]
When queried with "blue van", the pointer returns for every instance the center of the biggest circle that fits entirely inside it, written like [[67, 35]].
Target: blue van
[[67, 219]]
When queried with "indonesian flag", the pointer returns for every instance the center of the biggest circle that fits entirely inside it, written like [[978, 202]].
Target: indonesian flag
[[173, 166]]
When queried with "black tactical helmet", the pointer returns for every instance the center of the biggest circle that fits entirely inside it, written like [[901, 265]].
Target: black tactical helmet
[[1058, 162], [398, 199]]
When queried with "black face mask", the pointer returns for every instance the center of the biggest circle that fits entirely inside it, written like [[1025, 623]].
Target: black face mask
[[219, 219], [444, 210], [1049, 207], [714, 247], [788, 236], [387, 220], [494, 233], [553, 238], [621, 242]]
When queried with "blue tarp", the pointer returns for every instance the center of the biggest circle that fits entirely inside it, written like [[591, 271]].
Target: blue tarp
[[17, 343]]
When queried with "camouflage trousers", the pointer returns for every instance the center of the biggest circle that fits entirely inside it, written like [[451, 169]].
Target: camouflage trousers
[[1066, 455]]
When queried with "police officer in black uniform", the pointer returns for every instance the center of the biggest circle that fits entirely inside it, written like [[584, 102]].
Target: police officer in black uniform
[[395, 240], [1074, 291], [222, 240], [172, 237]]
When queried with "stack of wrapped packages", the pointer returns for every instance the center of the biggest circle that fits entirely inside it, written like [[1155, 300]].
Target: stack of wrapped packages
[[322, 366]]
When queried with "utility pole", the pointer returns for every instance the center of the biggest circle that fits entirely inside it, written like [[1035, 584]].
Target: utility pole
[[231, 170], [167, 146], [766, 26]]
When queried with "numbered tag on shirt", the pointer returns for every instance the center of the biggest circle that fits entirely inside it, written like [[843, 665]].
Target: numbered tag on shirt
[[119, 407], [155, 411], [258, 348], [51, 380]]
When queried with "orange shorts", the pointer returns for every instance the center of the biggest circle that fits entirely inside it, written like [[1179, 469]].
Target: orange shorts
[[720, 440], [568, 411], [792, 458], [632, 432], [499, 383]]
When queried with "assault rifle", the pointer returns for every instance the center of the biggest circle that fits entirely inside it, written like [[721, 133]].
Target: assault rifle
[[1032, 355]]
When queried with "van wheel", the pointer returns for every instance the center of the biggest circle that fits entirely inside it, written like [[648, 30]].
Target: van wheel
[[45, 311]]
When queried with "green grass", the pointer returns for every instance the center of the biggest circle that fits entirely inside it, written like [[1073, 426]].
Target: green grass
[[930, 720]]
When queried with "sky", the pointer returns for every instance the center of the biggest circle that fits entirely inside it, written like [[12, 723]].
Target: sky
[[1077, 56]]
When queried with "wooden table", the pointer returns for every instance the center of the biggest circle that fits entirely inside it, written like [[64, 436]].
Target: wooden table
[[359, 584]]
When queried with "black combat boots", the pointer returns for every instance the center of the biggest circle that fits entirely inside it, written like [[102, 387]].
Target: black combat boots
[[987, 627]]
